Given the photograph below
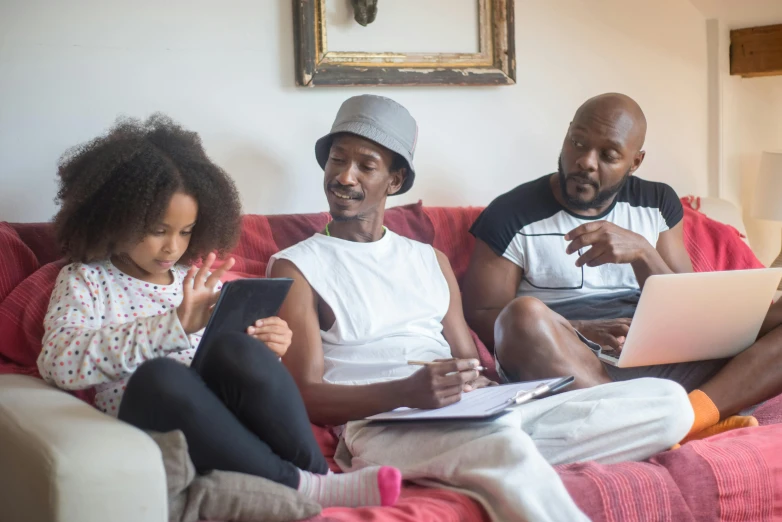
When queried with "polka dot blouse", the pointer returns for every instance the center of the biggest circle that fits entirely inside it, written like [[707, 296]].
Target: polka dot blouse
[[102, 324]]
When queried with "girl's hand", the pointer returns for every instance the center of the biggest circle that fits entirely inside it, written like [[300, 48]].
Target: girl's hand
[[199, 296], [273, 332]]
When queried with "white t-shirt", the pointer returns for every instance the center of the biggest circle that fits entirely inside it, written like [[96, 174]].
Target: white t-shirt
[[102, 324], [527, 227], [389, 298]]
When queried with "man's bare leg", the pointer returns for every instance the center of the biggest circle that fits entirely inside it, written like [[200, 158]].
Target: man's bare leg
[[749, 378], [533, 342], [752, 376]]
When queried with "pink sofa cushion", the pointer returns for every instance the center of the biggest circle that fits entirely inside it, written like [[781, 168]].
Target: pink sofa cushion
[[39, 237], [451, 236], [21, 324], [18, 260], [21, 320], [256, 246]]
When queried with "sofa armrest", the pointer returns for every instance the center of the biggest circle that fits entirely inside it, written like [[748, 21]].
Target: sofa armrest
[[62, 460]]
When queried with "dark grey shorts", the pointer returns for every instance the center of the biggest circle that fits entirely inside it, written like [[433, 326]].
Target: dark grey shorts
[[690, 374]]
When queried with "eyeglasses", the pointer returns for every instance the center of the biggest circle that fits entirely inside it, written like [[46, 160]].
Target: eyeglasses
[[554, 234]]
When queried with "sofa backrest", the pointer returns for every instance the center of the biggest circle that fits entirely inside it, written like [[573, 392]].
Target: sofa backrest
[[27, 290], [25, 247], [17, 260], [39, 238], [28, 272]]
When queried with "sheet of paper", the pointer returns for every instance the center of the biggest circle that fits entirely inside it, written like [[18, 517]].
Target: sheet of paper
[[479, 403]]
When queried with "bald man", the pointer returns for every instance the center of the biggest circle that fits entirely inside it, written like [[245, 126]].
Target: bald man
[[560, 261]]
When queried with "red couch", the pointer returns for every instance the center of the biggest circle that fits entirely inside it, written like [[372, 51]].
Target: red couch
[[735, 476]]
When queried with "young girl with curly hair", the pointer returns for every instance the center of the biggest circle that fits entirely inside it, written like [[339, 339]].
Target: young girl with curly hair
[[139, 205]]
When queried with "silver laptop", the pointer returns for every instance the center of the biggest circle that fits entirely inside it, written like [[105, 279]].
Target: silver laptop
[[698, 316]]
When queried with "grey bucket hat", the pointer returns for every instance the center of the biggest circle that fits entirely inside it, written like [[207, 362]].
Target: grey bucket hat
[[378, 119]]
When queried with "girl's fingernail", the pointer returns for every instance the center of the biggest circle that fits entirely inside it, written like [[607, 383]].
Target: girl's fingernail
[[258, 323]]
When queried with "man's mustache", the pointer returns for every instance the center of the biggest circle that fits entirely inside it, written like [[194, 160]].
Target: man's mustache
[[339, 189], [583, 177]]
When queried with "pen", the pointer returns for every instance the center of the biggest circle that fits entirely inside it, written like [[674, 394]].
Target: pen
[[427, 363]]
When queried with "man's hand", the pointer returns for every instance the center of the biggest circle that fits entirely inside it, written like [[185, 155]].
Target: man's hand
[[199, 295], [608, 333], [439, 384], [274, 333], [609, 244], [480, 382]]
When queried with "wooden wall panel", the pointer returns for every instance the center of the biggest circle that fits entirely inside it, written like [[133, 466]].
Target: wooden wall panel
[[756, 51]]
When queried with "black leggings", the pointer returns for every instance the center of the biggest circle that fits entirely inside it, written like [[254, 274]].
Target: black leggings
[[240, 411]]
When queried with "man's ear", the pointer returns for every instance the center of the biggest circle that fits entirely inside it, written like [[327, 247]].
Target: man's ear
[[639, 158], [397, 180]]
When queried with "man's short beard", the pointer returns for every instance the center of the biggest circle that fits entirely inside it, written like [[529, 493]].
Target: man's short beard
[[341, 219], [601, 196]]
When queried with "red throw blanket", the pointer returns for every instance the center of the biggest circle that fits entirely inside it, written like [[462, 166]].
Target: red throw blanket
[[714, 246]]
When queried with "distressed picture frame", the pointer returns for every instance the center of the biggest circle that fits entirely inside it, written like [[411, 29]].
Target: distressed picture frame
[[493, 64]]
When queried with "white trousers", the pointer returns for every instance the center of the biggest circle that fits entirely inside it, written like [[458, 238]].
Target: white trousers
[[506, 464]]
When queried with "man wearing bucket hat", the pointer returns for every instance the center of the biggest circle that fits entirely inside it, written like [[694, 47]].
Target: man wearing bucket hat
[[365, 301], [381, 121]]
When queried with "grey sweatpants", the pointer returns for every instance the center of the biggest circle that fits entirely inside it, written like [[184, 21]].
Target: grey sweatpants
[[689, 374], [506, 464]]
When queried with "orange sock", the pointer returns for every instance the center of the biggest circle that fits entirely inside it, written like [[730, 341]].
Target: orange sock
[[734, 422], [707, 419], [706, 412]]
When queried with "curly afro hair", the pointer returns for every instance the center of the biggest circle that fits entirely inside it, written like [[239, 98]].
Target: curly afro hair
[[113, 189]]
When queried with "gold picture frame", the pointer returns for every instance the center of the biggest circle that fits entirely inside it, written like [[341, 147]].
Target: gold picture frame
[[493, 64]]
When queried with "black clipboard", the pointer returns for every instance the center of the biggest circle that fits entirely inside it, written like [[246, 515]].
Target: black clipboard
[[241, 303]]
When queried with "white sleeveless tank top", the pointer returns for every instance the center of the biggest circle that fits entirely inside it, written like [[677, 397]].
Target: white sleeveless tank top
[[389, 298]]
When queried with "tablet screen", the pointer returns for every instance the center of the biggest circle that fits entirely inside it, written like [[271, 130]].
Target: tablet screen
[[241, 303]]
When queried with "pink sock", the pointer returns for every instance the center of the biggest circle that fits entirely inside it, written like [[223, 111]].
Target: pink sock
[[376, 486]]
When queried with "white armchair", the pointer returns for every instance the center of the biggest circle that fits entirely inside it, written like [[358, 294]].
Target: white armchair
[[62, 460]]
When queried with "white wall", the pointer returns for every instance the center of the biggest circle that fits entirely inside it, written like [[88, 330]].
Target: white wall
[[225, 69], [750, 118], [753, 123]]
